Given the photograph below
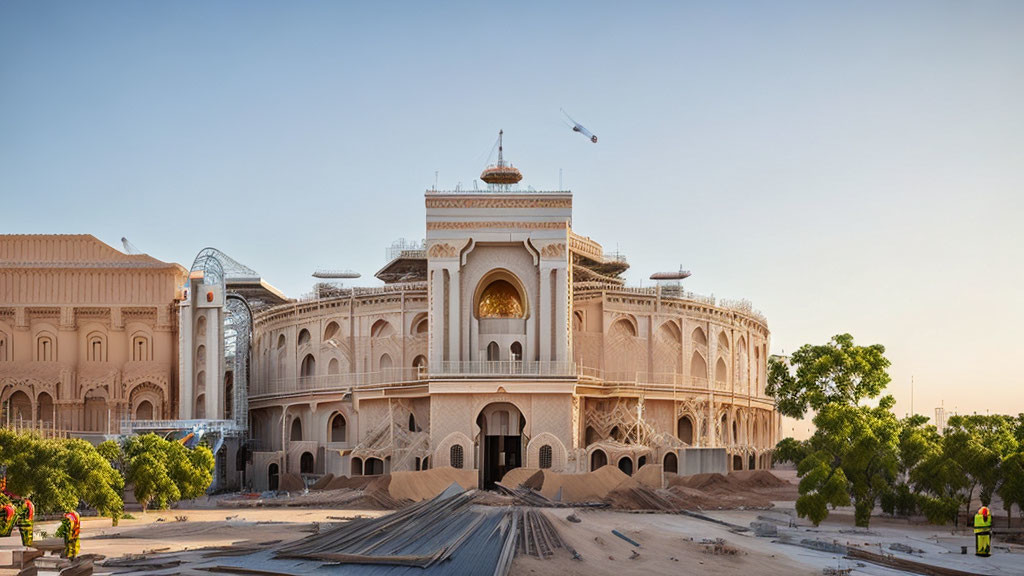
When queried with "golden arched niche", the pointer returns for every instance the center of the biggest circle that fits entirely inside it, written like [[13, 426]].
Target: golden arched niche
[[500, 295]]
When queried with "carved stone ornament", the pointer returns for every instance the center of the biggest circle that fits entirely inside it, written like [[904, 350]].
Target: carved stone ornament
[[442, 250]]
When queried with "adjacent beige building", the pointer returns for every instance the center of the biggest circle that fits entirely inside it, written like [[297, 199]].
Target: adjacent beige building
[[88, 334]]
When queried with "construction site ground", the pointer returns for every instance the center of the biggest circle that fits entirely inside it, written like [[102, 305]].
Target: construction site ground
[[669, 543]]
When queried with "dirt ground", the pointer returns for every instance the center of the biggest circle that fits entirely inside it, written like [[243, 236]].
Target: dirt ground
[[669, 544]]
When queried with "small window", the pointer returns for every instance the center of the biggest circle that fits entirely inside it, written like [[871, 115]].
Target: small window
[[45, 349], [456, 456], [338, 428], [545, 456], [95, 349], [331, 331], [140, 349]]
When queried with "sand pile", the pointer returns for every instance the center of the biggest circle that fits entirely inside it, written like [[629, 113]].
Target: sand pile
[[322, 483], [354, 483], [426, 484], [590, 487], [712, 481], [640, 497], [517, 476], [690, 498], [747, 488], [290, 482], [650, 475], [754, 479]]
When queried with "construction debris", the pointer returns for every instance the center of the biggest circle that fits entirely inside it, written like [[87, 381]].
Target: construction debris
[[537, 536], [626, 538], [903, 564], [764, 529], [718, 547], [446, 534], [900, 547]]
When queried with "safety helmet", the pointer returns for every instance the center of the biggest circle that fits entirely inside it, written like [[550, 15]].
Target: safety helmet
[[983, 511]]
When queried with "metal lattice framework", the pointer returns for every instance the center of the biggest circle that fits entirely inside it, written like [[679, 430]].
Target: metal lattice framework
[[218, 268], [237, 337], [224, 267]]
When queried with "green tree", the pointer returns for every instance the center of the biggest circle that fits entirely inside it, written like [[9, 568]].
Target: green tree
[[853, 455], [838, 372], [1012, 488], [917, 439], [59, 474], [163, 472]]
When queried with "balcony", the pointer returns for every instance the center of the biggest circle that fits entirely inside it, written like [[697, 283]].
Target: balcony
[[337, 382], [503, 369]]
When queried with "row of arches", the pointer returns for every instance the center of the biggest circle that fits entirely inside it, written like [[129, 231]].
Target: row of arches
[[337, 428], [381, 328], [308, 366], [515, 351], [624, 353], [95, 410]]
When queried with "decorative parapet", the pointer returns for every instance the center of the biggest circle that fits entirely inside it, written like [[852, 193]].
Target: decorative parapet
[[584, 246]]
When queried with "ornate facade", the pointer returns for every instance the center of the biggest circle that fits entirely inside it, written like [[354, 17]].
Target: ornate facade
[[507, 341], [87, 334]]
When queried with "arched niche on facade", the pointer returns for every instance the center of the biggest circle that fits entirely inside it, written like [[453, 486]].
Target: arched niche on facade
[[500, 294]]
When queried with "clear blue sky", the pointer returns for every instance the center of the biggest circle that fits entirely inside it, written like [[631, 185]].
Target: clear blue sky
[[848, 167]]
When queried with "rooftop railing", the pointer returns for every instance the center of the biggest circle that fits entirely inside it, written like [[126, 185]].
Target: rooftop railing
[[396, 377], [510, 190], [337, 382]]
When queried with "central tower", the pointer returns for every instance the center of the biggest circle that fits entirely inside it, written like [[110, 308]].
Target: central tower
[[498, 273]]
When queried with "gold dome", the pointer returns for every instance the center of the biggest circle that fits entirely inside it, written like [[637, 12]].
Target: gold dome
[[500, 300]]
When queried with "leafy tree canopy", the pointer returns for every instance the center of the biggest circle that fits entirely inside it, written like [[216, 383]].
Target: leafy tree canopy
[[163, 471], [838, 372]]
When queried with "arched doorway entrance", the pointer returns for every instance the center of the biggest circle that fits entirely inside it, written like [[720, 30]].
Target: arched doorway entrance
[[671, 463], [272, 477], [306, 463], [626, 465], [501, 441], [598, 459], [684, 430]]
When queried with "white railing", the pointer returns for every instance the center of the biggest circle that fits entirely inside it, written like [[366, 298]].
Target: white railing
[[503, 368], [130, 426], [648, 379], [338, 382], [515, 189]]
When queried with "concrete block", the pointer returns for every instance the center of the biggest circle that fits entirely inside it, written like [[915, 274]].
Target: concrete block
[[702, 461]]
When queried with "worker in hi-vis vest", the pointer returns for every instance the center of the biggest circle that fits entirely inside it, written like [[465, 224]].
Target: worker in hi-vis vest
[[983, 532]]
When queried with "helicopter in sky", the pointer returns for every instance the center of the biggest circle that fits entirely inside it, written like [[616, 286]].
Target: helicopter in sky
[[577, 127]]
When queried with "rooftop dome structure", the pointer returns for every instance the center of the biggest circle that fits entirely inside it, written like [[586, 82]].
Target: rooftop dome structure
[[502, 173]]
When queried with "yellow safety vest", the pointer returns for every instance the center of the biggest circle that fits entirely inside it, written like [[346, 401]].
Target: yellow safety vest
[[981, 524]]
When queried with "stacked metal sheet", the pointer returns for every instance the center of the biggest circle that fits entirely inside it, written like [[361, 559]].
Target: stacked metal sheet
[[447, 535]]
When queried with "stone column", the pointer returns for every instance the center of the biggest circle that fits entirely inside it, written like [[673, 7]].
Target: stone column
[[436, 323], [562, 315], [454, 313], [544, 311]]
